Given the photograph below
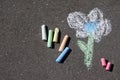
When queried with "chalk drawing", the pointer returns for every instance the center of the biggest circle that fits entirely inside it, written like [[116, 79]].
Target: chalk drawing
[[92, 26]]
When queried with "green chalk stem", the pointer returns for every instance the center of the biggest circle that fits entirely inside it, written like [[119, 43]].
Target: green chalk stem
[[50, 37], [87, 49]]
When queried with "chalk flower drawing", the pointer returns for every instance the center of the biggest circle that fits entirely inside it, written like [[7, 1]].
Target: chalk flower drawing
[[93, 26]]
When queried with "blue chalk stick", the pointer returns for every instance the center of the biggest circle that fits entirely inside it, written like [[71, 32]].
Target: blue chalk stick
[[61, 58]]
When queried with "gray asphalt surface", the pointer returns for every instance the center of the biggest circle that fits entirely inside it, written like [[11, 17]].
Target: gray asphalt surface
[[24, 56]]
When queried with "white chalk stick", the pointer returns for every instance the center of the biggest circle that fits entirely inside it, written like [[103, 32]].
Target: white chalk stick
[[44, 32]]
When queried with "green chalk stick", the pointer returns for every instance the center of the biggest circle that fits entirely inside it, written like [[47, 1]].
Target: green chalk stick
[[50, 37]]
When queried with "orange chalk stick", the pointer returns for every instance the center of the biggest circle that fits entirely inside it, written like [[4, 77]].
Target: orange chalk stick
[[63, 44]]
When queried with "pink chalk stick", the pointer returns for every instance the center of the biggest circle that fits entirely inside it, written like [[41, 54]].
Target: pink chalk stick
[[103, 62], [108, 67]]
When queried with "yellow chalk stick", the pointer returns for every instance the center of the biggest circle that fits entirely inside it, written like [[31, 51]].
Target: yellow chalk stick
[[56, 35]]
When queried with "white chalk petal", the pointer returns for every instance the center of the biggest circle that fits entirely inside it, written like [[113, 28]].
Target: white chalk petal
[[108, 28], [76, 20], [81, 34], [97, 38], [104, 28], [95, 15]]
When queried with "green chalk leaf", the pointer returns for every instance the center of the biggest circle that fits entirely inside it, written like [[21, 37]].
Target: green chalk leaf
[[82, 45]]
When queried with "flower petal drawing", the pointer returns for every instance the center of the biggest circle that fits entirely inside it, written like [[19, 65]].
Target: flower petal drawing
[[95, 15], [95, 23], [81, 33], [103, 29], [76, 20]]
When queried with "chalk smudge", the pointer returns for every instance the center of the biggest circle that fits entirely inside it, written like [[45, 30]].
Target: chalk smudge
[[93, 26]]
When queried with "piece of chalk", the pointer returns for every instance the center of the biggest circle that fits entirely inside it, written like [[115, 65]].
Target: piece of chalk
[[56, 35], [103, 62], [108, 67], [63, 44], [44, 32], [50, 37], [61, 58]]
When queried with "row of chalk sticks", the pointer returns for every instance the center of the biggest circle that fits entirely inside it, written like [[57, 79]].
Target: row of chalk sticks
[[53, 36], [63, 48]]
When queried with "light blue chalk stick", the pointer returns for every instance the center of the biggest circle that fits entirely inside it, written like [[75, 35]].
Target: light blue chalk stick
[[61, 58]]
